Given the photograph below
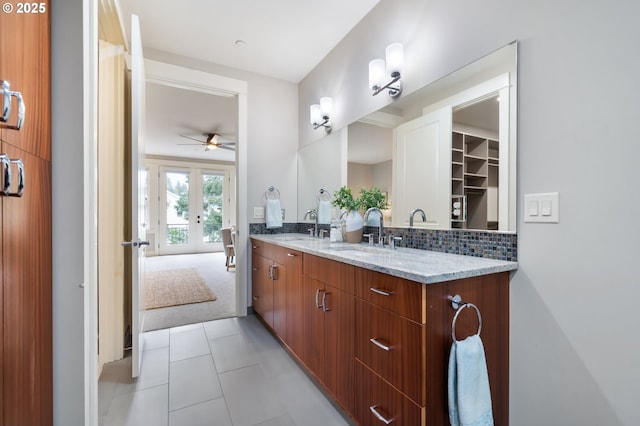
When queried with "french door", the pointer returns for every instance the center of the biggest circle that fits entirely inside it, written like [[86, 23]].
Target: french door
[[193, 207]]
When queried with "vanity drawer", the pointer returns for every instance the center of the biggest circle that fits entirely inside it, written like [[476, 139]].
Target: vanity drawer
[[374, 394], [337, 274], [401, 296], [391, 346], [260, 247]]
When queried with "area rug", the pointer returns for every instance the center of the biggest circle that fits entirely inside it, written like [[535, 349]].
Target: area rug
[[175, 287]]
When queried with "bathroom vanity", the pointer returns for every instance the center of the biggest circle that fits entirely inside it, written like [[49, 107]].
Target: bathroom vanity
[[374, 325]]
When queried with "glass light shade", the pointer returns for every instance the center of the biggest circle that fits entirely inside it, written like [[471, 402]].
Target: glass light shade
[[395, 58], [326, 105], [314, 114], [376, 73]]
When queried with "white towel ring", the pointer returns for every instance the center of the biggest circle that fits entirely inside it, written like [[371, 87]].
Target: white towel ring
[[455, 318], [273, 192], [324, 195]]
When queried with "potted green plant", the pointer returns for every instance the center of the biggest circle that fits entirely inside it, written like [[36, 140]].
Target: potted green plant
[[373, 197], [343, 199]]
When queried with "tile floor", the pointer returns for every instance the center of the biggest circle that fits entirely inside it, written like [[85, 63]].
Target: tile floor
[[224, 372]]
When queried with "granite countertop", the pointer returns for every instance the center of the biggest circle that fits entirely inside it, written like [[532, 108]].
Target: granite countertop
[[423, 266]]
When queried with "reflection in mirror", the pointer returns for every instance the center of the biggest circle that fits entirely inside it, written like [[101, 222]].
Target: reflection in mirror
[[448, 149], [321, 165]]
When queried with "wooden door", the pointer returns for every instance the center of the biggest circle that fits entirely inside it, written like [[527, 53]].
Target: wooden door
[[279, 278], [338, 345], [295, 303], [314, 331], [262, 288], [26, 376]]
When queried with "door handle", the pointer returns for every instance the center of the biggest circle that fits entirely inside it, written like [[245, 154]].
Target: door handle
[[318, 298], [6, 101], [6, 106], [135, 243], [6, 174], [20, 189], [324, 302]]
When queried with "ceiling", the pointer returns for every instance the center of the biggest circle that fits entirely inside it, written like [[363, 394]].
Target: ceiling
[[282, 39]]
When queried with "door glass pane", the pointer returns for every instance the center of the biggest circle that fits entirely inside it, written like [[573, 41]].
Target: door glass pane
[[177, 208], [211, 207]]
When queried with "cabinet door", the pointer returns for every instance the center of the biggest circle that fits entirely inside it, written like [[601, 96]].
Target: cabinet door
[[27, 376], [339, 325], [262, 288], [25, 64], [279, 278], [295, 303], [314, 332]]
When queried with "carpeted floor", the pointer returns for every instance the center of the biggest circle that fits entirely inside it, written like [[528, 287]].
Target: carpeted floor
[[222, 284]]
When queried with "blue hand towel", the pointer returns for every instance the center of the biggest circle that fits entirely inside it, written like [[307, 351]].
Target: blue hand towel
[[469, 393], [324, 212], [273, 214]]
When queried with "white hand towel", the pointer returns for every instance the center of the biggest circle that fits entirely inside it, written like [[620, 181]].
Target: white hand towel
[[273, 214], [469, 393], [324, 212]]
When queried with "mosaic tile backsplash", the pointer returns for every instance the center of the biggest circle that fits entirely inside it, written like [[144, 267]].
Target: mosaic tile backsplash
[[492, 245]]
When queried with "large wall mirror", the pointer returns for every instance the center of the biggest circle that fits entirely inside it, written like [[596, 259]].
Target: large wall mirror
[[448, 149]]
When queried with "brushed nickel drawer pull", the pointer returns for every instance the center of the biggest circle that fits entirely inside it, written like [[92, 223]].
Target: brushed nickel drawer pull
[[381, 292], [6, 101], [6, 174], [380, 345], [379, 416], [324, 302], [20, 188], [318, 298], [255, 247], [291, 254]]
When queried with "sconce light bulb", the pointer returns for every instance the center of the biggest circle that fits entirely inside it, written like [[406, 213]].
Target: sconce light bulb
[[315, 114], [326, 105], [376, 73], [395, 59]]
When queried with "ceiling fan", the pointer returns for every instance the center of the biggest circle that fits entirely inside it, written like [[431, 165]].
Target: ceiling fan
[[210, 141]]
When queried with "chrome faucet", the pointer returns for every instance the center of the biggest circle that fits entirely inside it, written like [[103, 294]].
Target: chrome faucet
[[380, 226], [413, 212], [311, 213]]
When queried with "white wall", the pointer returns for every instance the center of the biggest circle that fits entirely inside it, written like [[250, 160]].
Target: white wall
[[68, 214], [573, 323], [272, 132]]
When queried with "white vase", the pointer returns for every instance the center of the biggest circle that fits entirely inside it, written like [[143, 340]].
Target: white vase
[[353, 227]]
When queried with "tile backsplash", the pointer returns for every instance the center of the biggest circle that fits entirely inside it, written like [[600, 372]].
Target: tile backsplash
[[489, 244]]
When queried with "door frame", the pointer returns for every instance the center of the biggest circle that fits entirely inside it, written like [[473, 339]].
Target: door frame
[[175, 76]]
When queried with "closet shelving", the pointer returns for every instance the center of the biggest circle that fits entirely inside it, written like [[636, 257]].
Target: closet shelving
[[474, 170]]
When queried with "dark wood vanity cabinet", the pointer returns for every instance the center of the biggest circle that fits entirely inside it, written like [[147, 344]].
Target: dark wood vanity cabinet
[[403, 340], [276, 290], [329, 325], [380, 344]]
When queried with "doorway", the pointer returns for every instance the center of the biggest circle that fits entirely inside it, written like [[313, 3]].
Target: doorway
[[194, 204]]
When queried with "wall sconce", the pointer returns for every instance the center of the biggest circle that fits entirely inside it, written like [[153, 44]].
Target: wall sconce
[[394, 66], [320, 113]]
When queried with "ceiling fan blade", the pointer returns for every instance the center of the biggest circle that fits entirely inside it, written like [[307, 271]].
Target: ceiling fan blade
[[194, 138]]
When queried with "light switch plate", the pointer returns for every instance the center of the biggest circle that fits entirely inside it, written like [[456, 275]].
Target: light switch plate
[[258, 212], [542, 207]]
